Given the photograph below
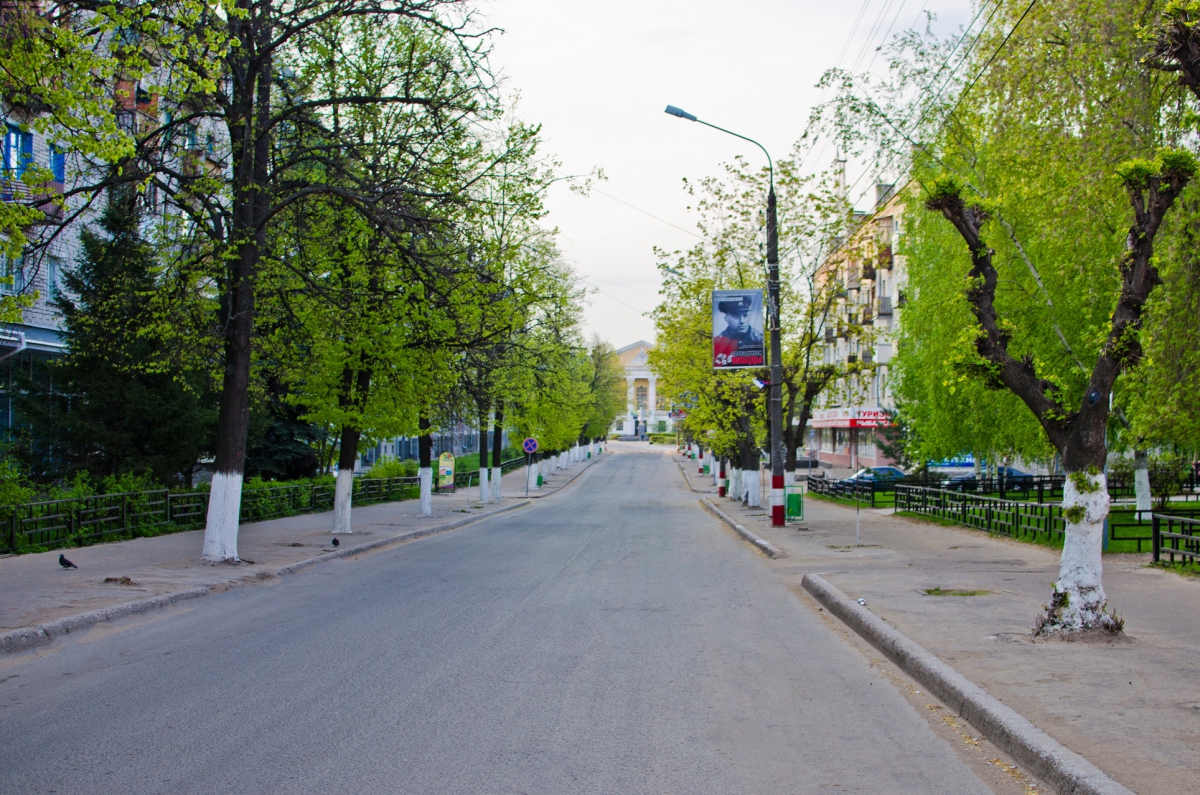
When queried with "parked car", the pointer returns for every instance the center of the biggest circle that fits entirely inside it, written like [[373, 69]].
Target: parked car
[[1014, 480], [875, 474]]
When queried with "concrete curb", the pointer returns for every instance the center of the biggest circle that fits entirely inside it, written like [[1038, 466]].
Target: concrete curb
[[25, 638], [688, 480], [1066, 771], [766, 546]]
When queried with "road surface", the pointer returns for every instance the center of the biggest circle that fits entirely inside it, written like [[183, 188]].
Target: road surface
[[611, 639]]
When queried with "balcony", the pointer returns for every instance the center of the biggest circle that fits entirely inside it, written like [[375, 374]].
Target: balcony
[[885, 306], [865, 318], [885, 258], [830, 335]]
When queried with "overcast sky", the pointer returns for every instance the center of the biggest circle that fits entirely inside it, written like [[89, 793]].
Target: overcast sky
[[597, 76]]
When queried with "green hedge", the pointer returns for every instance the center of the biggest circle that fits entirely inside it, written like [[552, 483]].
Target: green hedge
[[662, 438]]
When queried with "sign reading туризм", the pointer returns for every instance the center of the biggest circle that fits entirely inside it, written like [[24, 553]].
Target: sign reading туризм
[[850, 418]]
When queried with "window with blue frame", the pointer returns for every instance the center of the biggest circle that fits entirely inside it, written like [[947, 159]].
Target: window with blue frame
[[18, 151], [58, 164]]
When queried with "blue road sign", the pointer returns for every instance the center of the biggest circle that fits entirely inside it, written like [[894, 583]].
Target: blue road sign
[[530, 445]]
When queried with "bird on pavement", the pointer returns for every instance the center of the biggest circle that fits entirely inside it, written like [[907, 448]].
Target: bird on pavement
[[337, 543], [66, 564]]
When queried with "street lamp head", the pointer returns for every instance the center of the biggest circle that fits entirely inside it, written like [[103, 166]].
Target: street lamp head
[[683, 114]]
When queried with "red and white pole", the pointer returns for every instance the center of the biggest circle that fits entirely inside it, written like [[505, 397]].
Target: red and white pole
[[701, 460], [723, 483], [777, 507]]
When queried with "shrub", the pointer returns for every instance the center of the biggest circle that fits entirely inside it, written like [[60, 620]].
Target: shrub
[[392, 468]]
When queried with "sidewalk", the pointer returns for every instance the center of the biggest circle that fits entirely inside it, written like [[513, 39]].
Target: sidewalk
[[1131, 707], [34, 589]]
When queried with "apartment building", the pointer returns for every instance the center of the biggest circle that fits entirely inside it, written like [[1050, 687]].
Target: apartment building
[[869, 278]]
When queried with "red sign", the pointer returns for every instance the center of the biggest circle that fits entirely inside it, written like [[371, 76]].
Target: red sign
[[851, 418]]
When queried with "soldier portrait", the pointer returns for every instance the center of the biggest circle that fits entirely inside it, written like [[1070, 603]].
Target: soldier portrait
[[738, 329]]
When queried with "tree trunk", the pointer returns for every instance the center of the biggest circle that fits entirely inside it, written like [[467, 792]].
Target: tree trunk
[[497, 451], [355, 390], [425, 472], [1141, 481], [248, 118], [344, 490], [484, 493], [1078, 601]]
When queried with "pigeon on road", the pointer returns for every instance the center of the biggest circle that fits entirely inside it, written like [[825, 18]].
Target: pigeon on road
[[66, 564], [337, 543]]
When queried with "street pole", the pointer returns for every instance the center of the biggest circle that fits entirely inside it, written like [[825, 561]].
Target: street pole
[[775, 395]]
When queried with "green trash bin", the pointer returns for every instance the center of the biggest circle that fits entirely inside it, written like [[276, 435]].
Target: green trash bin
[[794, 504], [539, 480]]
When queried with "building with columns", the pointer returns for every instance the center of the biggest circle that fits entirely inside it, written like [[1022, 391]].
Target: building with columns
[[645, 412]]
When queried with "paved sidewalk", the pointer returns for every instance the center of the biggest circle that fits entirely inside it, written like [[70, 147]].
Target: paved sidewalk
[[34, 589], [1130, 707]]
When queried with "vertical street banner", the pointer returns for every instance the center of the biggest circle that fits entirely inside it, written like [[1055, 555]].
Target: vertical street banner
[[446, 472], [738, 329]]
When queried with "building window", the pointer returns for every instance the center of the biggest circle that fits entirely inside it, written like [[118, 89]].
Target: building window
[[58, 164], [866, 444], [14, 276], [641, 394], [18, 151], [51, 278]]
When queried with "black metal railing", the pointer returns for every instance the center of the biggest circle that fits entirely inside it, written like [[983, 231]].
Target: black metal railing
[[1175, 535], [994, 515], [1127, 528], [868, 492], [80, 520]]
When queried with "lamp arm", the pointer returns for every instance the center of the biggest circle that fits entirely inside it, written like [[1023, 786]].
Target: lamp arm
[[770, 162]]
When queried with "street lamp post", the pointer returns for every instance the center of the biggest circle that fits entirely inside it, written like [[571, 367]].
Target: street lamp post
[[775, 402]]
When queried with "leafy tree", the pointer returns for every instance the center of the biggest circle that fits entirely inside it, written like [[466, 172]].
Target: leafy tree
[[107, 415]]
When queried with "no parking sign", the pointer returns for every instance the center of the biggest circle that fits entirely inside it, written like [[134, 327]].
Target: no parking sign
[[530, 445]]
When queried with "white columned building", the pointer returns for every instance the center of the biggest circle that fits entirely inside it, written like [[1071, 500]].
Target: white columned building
[[643, 411]]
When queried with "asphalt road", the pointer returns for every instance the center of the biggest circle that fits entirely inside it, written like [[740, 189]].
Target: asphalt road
[[610, 639]]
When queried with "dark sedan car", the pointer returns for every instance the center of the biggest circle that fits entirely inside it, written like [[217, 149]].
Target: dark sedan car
[[1013, 480], [875, 474]]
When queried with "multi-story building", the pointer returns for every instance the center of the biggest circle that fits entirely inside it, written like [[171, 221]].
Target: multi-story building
[[645, 411], [869, 277]]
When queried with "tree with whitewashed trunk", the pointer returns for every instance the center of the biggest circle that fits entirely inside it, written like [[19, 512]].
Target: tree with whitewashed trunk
[[1078, 433], [295, 68]]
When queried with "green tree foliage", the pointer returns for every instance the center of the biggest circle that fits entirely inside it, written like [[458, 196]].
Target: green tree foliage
[[106, 414], [725, 407]]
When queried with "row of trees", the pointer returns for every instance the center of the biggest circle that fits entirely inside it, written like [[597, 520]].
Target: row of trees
[[727, 410], [318, 219], [1049, 239]]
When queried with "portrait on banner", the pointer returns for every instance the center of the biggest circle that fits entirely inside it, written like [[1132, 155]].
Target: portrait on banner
[[738, 329]]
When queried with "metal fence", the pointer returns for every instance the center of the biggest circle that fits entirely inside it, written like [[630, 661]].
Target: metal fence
[[1126, 526], [870, 493], [1008, 517], [79, 520], [1175, 535]]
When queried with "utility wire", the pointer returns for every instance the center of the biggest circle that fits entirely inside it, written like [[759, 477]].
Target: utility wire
[[646, 212]]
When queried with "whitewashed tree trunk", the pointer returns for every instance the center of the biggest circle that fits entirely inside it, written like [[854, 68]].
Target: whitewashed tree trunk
[[496, 473], [221, 525], [735, 484], [591, 449], [716, 471], [752, 488], [484, 491], [1078, 601], [425, 478], [1141, 480], [343, 494]]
